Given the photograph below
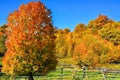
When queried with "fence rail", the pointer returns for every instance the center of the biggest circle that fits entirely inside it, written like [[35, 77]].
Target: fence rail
[[65, 73]]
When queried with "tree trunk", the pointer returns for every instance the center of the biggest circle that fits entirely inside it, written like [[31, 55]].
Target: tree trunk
[[30, 76]]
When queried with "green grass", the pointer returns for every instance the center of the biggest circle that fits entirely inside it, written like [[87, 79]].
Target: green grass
[[68, 75]]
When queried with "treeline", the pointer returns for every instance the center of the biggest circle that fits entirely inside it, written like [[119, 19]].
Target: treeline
[[92, 45], [95, 44]]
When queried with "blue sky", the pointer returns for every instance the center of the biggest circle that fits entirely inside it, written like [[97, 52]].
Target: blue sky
[[68, 13]]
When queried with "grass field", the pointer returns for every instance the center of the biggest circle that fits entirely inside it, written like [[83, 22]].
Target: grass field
[[69, 74]]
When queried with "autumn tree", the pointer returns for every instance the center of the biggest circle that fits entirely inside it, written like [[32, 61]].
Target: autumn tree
[[91, 51], [93, 45], [2, 39], [79, 28], [114, 55], [70, 44], [61, 46], [30, 42], [111, 33], [98, 23]]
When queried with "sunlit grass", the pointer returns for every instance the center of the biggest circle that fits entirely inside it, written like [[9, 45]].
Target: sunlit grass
[[68, 75], [111, 66]]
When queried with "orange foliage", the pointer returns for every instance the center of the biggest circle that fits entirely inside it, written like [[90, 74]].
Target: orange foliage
[[30, 42], [79, 51]]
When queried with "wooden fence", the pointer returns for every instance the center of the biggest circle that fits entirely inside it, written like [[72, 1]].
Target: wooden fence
[[70, 73]]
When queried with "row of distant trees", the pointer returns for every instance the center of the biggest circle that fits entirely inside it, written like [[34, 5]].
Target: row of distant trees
[[92, 45], [30, 44]]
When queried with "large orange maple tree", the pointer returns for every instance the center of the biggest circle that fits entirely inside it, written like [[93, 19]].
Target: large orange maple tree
[[30, 42]]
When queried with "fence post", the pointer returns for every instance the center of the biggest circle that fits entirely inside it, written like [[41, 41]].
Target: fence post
[[103, 73], [74, 74], [26, 78], [84, 72], [61, 73]]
